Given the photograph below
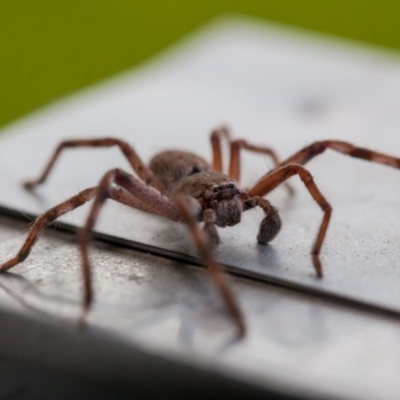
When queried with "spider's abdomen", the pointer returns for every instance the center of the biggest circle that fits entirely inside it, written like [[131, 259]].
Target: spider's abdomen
[[172, 166]]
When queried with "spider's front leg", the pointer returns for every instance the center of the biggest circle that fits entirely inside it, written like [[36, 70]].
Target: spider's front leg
[[203, 239], [152, 201], [134, 193], [209, 227], [280, 175], [131, 192]]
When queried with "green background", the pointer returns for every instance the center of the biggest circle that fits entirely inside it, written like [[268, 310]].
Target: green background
[[52, 47]]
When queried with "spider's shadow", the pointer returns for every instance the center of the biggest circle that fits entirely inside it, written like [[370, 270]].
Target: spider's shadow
[[16, 295], [41, 200]]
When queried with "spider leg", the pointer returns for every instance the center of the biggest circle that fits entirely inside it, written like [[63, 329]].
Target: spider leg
[[142, 171], [135, 194], [44, 220], [132, 192], [235, 147], [215, 138], [209, 228], [201, 241], [235, 165], [309, 152], [281, 174], [118, 194]]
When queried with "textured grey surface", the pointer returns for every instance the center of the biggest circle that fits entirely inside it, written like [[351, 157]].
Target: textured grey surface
[[161, 323]]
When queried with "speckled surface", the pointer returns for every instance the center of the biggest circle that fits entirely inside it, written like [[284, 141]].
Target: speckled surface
[[296, 344]]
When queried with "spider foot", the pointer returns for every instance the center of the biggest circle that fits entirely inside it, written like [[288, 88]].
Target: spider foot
[[212, 236], [13, 261], [241, 328], [30, 185], [210, 229], [317, 265], [7, 265], [82, 320]]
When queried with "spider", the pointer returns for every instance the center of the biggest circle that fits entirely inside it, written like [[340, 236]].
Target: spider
[[183, 187]]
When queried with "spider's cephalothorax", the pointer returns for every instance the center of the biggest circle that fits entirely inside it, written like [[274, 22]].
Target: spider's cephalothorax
[[214, 191], [184, 187]]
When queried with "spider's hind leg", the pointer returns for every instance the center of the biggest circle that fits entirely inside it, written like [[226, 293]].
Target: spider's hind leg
[[316, 148], [142, 171]]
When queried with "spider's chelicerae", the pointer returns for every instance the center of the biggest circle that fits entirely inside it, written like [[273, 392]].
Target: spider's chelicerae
[[182, 186]]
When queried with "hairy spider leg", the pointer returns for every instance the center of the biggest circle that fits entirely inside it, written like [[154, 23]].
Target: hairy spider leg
[[239, 144], [45, 219], [115, 193], [201, 240], [280, 175], [142, 171], [235, 147], [133, 193], [158, 204], [152, 200], [316, 148], [216, 136]]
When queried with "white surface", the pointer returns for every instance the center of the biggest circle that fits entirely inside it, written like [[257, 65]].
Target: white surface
[[273, 87]]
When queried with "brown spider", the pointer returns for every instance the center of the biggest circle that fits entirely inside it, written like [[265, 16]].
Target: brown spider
[[183, 187]]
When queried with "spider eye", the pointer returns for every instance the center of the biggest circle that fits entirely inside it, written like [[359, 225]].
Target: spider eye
[[195, 170]]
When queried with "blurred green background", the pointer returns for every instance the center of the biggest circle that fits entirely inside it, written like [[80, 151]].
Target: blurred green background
[[52, 47]]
